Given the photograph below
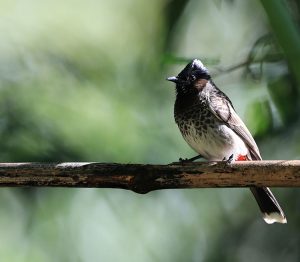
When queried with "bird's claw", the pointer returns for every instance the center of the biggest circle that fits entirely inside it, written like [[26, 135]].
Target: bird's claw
[[184, 160], [188, 160], [229, 160]]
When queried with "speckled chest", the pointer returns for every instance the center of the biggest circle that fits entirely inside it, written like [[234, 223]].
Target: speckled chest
[[205, 133], [195, 116]]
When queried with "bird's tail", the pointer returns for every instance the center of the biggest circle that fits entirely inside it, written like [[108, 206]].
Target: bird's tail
[[268, 205]]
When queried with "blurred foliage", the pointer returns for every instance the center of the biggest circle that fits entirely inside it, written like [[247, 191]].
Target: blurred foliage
[[261, 112], [85, 81], [285, 96]]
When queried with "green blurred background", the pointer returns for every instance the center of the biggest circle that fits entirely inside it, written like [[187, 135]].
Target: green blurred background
[[85, 81]]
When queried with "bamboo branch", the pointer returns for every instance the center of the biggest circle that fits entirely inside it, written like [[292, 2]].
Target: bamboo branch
[[144, 178]]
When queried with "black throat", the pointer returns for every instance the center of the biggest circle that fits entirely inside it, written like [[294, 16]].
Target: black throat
[[185, 98]]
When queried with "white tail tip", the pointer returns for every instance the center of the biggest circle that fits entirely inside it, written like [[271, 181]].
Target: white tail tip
[[274, 217]]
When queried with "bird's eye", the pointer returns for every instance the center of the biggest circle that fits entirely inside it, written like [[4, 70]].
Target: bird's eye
[[192, 78]]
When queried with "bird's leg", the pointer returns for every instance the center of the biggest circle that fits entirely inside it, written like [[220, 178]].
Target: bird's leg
[[229, 160], [186, 160], [190, 159]]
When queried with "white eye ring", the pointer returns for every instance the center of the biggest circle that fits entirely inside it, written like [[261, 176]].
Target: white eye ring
[[193, 77]]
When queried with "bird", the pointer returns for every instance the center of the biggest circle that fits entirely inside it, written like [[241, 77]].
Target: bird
[[210, 125]]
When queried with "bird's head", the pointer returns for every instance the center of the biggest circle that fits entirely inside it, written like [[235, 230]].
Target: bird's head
[[194, 72]]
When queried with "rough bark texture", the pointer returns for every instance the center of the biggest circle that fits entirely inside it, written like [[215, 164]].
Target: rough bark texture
[[144, 178]]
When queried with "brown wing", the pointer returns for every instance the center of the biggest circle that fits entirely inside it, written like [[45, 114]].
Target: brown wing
[[221, 106]]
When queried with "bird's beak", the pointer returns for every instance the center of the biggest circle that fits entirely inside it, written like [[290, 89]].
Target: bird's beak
[[173, 79]]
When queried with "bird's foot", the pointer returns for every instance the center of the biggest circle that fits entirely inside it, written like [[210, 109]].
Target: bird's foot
[[229, 160], [185, 160]]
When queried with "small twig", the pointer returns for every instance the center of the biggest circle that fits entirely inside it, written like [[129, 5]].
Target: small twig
[[231, 68], [249, 61]]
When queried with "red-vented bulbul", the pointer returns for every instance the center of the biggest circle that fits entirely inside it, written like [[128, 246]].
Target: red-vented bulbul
[[209, 124]]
